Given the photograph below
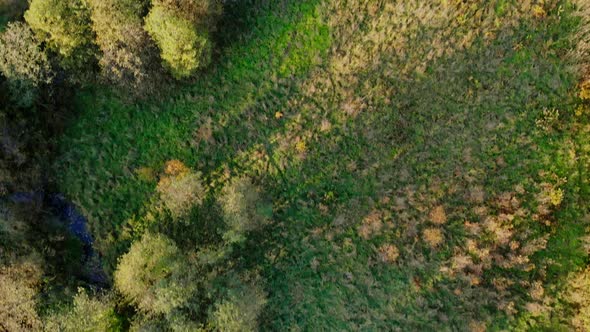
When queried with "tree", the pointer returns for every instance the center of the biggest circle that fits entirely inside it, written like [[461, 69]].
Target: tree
[[86, 314], [129, 57], [65, 26], [241, 205], [19, 284], [240, 308], [23, 63], [154, 275], [180, 190], [203, 13], [181, 30]]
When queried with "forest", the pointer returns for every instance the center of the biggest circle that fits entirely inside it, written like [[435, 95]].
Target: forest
[[294, 165]]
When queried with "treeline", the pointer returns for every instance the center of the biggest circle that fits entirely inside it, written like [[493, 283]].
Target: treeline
[[49, 49], [134, 44]]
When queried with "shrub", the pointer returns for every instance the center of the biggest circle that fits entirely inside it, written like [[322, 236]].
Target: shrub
[[184, 46], [153, 275], [86, 314], [240, 203], [23, 63], [240, 309], [65, 26]]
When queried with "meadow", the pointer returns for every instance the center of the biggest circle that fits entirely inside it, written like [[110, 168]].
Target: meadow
[[423, 165]]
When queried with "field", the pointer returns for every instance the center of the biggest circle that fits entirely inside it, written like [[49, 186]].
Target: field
[[424, 164]]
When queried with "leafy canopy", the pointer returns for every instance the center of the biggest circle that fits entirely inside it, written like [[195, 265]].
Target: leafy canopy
[[184, 48]]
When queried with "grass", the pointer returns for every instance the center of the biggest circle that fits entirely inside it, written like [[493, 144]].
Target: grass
[[358, 118]]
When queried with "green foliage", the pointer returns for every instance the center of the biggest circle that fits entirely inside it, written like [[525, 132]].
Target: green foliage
[[86, 314], [241, 203], [65, 26], [184, 47], [154, 275], [204, 13], [23, 63]]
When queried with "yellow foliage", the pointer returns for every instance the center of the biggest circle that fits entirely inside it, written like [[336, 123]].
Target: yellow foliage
[[175, 167], [579, 295], [556, 196], [585, 90]]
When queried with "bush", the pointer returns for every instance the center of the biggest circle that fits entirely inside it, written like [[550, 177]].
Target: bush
[[241, 204], [154, 276], [184, 46], [86, 314], [129, 58], [65, 26], [23, 63]]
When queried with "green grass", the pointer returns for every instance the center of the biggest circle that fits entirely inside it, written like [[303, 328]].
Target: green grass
[[398, 143], [109, 139]]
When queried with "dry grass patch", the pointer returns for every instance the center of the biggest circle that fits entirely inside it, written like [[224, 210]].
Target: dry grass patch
[[438, 215], [433, 236], [388, 253], [371, 225]]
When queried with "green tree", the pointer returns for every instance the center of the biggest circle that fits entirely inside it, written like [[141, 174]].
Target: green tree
[[181, 28], [184, 48], [129, 57], [240, 308], [23, 63], [154, 275], [65, 26], [242, 206]]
